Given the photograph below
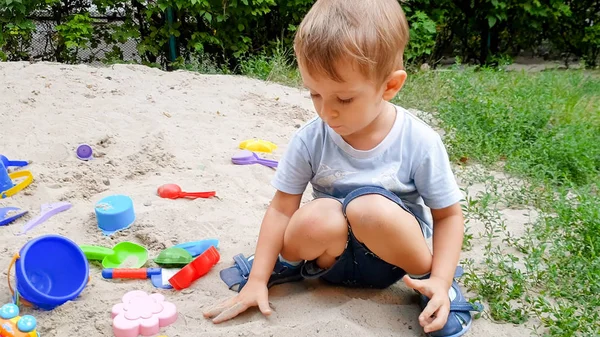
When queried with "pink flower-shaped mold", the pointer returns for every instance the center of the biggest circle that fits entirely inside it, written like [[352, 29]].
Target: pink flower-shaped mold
[[142, 314]]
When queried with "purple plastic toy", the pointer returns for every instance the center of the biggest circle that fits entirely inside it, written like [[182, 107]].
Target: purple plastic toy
[[246, 157], [84, 152], [47, 211]]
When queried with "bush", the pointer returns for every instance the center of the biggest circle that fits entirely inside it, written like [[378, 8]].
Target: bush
[[172, 33], [488, 30]]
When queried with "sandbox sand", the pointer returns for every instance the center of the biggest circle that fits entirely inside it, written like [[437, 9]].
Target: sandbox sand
[[147, 128]]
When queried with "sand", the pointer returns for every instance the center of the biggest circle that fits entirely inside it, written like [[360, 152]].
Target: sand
[[147, 128]]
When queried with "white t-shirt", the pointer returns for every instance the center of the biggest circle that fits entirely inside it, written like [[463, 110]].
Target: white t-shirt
[[411, 162]]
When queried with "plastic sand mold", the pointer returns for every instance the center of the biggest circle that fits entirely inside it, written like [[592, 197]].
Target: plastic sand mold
[[140, 313], [258, 145], [173, 257]]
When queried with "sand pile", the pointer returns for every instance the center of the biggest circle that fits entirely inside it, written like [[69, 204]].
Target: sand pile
[[148, 128]]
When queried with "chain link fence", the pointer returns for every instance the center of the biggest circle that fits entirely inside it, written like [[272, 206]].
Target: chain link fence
[[43, 44]]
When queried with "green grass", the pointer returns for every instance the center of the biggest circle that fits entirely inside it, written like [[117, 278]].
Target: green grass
[[544, 125], [278, 67], [544, 129], [551, 272]]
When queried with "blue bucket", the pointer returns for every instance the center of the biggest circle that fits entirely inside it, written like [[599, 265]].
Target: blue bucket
[[50, 271]]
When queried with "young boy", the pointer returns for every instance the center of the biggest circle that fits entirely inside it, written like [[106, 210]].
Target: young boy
[[381, 177]]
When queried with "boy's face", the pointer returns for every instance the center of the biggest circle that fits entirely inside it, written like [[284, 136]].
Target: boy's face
[[348, 107]]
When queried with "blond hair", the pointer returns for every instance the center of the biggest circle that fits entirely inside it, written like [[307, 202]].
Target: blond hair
[[371, 34]]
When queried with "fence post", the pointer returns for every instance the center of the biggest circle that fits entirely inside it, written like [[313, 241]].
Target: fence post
[[172, 48]]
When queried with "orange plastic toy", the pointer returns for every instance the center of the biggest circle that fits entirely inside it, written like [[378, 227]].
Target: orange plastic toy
[[13, 325]]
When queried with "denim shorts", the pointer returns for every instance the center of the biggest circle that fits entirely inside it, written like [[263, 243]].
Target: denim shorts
[[358, 266]]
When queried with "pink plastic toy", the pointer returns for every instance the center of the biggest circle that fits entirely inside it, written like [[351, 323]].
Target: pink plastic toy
[[142, 314]]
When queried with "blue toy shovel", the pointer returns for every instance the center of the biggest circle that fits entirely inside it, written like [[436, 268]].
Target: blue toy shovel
[[10, 214], [7, 162], [196, 248]]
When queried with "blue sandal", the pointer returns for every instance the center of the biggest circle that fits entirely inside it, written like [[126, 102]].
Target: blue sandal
[[459, 318], [236, 276]]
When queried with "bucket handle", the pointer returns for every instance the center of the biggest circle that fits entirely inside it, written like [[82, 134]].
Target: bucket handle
[[17, 298], [18, 187]]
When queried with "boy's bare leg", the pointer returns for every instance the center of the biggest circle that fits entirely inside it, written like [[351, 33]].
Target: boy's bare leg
[[389, 232], [318, 230]]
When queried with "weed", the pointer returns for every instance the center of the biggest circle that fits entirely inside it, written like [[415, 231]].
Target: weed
[[203, 63], [544, 127], [277, 67]]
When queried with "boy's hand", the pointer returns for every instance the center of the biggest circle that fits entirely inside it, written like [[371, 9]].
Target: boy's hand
[[435, 314], [253, 294]]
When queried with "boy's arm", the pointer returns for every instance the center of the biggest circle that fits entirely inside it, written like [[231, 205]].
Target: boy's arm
[[437, 185], [270, 242], [447, 241], [447, 244], [270, 238], [292, 176]]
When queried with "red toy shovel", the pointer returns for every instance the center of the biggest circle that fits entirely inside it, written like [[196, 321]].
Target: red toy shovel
[[195, 269]]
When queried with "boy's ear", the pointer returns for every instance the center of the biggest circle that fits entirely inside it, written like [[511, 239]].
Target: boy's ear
[[393, 85]]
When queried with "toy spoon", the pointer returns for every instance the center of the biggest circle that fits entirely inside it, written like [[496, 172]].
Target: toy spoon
[[173, 191], [246, 157]]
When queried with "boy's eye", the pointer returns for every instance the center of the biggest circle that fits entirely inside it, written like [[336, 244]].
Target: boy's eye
[[315, 95], [345, 101]]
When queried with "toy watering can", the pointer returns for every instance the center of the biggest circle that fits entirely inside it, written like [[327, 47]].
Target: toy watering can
[[7, 187]]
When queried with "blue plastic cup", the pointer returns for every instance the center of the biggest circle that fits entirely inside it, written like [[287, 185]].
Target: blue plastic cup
[[50, 271], [5, 182], [114, 213]]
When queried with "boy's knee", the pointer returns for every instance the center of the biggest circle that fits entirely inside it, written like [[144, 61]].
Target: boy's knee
[[373, 212], [313, 229], [366, 212], [311, 223], [317, 221]]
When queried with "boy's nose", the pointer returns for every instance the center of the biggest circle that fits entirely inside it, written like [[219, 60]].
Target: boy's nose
[[328, 112]]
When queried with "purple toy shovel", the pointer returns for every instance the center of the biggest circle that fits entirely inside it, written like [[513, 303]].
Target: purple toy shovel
[[47, 211], [246, 157]]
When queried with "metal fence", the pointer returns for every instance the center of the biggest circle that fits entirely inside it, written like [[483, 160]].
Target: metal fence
[[43, 43]]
